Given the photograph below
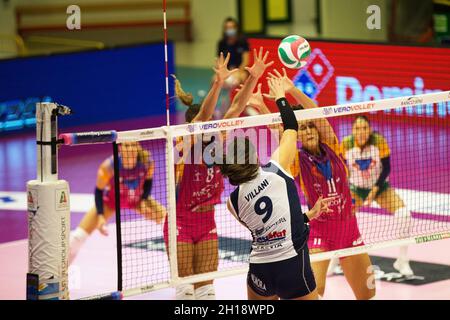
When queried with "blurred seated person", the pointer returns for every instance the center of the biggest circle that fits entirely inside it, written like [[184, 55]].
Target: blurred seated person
[[236, 44]]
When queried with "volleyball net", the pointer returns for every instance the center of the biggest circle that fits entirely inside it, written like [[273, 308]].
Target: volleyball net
[[182, 231], [172, 222]]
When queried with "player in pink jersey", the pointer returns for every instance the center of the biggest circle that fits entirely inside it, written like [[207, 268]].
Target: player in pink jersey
[[323, 173], [136, 176], [200, 183]]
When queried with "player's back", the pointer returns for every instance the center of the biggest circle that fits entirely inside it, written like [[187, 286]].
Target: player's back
[[269, 207]]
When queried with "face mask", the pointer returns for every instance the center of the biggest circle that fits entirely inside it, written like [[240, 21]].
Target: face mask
[[231, 32]]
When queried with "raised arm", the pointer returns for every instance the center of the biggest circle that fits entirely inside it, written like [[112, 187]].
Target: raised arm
[[256, 71], [326, 131], [257, 100], [287, 149], [210, 101]]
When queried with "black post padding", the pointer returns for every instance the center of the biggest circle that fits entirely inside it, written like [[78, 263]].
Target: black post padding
[[54, 143], [118, 220]]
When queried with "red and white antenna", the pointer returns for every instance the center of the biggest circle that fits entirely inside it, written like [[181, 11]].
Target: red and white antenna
[[166, 60]]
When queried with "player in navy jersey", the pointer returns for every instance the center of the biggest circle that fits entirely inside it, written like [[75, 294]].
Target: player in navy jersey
[[266, 202]]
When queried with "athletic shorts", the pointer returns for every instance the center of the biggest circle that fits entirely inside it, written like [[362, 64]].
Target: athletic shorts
[[194, 230], [363, 193], [334, 234], [288, 279]]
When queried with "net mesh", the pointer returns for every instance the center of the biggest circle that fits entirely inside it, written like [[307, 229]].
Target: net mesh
[[144, 257], [414, 200]]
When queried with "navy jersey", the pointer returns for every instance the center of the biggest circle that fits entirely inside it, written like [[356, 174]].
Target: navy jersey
[[269, 207]]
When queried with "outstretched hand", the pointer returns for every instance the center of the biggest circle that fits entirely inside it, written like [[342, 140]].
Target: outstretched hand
[[221, 68], [287, 83], [276, 88], [259, 65], [256, 100]]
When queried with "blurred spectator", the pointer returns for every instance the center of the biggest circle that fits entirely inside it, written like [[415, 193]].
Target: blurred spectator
[[411, 21], [236, 44]]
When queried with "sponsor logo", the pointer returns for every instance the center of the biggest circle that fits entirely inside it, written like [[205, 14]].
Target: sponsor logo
[[281, 220], [350, 89], [218, 125], [273, 236], [191, 127], [327, 110], [276, 120], [412, 101], [64, 249], [62, 199], [318, 72], [147, 133], [32, 201], [93, 133], [258, 282], [356, 107], [259, 231], [432, 237], [268, 247], [145, 289]]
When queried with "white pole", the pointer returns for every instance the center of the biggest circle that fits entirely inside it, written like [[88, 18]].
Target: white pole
[[44, 127], [48, 215]]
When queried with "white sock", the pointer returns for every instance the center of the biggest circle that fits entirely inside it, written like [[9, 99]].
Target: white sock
[[373, 298], [77, 239], [403, 253], [403, 221], [205, 292], [185, 292], [334, 262], [320, 297]]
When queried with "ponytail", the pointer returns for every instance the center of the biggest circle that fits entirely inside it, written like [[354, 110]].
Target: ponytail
[[186, 98]]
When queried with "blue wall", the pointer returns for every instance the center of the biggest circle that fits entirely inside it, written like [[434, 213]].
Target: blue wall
[[100, 86]]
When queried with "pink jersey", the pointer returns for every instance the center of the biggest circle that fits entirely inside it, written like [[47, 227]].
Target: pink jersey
[[131, 185], [200, 185], [326, 176]]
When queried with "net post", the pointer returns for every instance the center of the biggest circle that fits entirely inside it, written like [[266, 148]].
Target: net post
[[118, 219], [46, 133], [171, 211], [48, 206]]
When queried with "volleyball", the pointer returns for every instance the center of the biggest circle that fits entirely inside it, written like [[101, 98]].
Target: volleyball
[[294, 51]]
